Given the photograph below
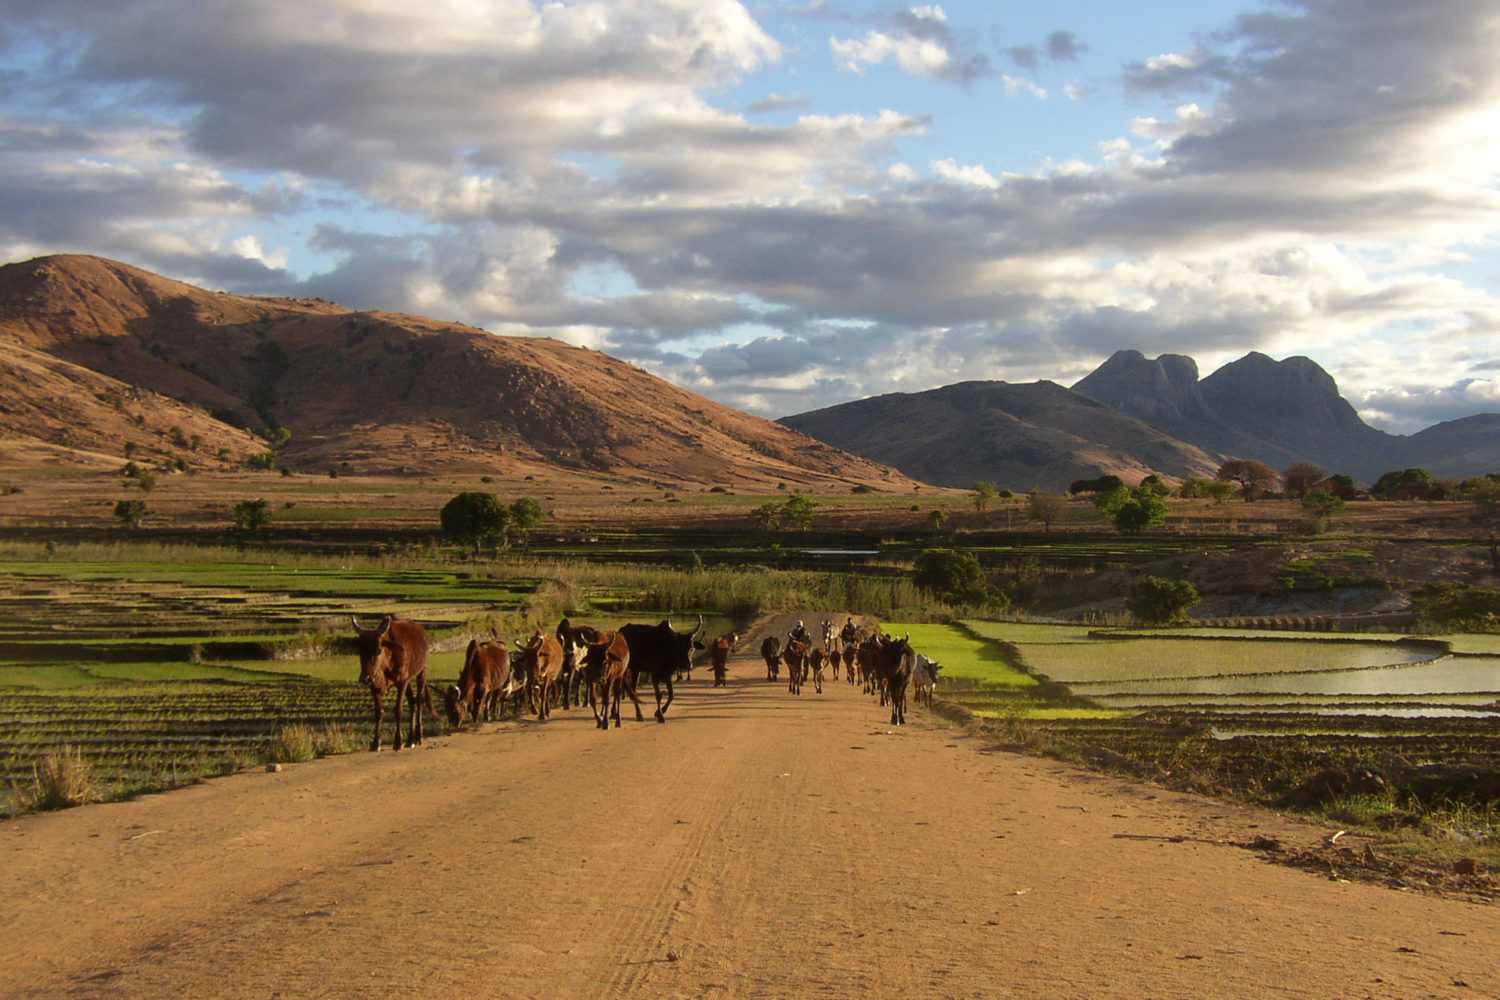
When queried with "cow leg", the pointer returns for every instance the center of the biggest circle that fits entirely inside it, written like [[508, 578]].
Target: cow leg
[[417, 699], [379, 718], [631, 681], [396, 738], [661, 709]]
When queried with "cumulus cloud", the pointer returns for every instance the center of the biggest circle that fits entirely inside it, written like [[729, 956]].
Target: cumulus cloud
[[920, 41], [1323, 160]]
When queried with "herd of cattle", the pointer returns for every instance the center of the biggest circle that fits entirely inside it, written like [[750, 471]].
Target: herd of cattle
[[579, 665]]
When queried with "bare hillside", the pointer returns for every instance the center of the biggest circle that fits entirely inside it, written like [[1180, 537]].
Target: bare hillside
[[99, 354]]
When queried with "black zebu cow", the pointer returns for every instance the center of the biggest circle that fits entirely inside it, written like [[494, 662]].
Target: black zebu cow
[[659, 651], [394, 655], [897, 660], [770, 651]]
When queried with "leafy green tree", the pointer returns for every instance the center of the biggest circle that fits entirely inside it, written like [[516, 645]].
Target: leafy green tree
[[1342, 486], [131, 513], [473, 518], [1101, 484], [984, 492], [1143, 508], [1415, 481], [1109, 501], [526, 515], [1155, 600], [798, 510], [936, 518], [1321, 503], [954, 576], [251, 515], [1156, 484], [768, 516]]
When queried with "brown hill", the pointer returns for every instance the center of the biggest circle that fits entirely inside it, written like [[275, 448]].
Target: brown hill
[[96, 354], [1016, 436]]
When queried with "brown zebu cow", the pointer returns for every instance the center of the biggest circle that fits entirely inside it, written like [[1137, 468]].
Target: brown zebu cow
[[770, 651], [393, 655], [795, 658], [541, 659], [718, 654], [851, 649], [482, 684], [605, 667]]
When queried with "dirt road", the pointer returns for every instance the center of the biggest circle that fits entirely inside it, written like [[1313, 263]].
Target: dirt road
[[756, 845]]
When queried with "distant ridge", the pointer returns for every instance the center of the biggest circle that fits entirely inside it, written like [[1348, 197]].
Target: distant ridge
[[1016, 436], [1281, 412]]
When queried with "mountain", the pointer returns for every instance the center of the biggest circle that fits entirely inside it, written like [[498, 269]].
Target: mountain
[[95, 355], [1016, 436], [1281, 412]]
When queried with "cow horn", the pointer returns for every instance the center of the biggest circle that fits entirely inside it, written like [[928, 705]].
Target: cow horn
[[357, 627], [701, 628]]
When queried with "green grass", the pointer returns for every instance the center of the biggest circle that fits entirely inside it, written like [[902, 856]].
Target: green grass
[[963, 655]]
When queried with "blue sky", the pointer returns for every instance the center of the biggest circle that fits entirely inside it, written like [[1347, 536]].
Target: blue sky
[[792, 203]]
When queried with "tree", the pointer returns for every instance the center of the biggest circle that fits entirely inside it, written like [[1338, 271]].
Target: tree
[[250, 515], [1144, 508], [1406, 482], [475, 518], [526, 515], [1253, 476], [1321, 503], [768, 516], [1103, 484], [1342, 486], [1045, 507], [1156, 484], [1155, 600], [1483, 495], [1300, 478], [131, 513], [954, 576], [797, 511], [984, 492], [1446, 605]]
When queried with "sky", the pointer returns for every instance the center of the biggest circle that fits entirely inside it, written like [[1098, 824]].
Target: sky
[[788, 204]]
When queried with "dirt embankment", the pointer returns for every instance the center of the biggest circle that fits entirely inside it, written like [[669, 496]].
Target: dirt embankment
[[756, 845]]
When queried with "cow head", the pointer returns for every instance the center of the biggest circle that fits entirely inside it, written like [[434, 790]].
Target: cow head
[[680, 645], [377, 652]]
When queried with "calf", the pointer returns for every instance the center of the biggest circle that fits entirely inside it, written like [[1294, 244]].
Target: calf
[[482, 684], [393, 656], [718, 653], [815, 659]]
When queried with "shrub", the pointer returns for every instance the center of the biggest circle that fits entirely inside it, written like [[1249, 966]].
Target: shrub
[[1155, 600], [249, 515]]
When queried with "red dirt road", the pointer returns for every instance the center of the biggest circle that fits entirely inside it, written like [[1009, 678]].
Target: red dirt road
[[757, 845]]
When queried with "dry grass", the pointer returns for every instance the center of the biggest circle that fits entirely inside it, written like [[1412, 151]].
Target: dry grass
[[59, 780]]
